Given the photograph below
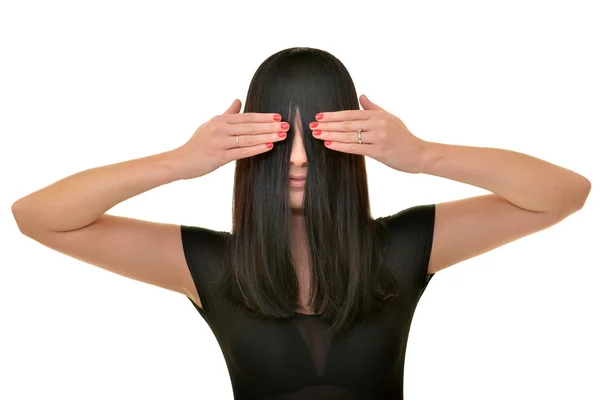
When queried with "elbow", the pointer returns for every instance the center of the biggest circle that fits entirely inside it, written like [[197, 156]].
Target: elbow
[[579, 196], [585, 192], [16, 210], [19, 216], [573, 198]]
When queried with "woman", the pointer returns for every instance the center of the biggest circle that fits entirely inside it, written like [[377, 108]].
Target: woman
[[309, 297]]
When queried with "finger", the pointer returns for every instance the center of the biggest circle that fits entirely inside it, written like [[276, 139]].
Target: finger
[[343, 126], [244, 152], [257, 128], [347, 115], [352, 148], [245, 118], [254, 140], [368, 104], [343, 137], [234, 108]]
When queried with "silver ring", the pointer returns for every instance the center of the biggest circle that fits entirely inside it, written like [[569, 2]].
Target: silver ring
[[359, 137], [237, 141]]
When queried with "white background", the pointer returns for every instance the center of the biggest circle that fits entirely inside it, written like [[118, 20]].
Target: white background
[[86, 84]]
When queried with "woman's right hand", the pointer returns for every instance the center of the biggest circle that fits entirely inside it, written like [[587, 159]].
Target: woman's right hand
[[214, 142]]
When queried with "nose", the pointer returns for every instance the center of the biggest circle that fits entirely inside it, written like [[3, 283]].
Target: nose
[[298, 156]]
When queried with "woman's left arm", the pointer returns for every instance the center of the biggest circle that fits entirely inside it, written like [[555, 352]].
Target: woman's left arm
[[529, 194], [525, 181]]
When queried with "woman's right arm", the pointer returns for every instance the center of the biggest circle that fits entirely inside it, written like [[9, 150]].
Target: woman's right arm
[[70, 217]]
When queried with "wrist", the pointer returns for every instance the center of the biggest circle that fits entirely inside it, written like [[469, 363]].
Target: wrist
[[428, 155], [169, 162]]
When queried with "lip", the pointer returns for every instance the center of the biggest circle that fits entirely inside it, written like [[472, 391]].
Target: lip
[[297, 183], [298, 176]]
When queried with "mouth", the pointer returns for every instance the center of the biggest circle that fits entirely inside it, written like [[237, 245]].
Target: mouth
[[297, 182]]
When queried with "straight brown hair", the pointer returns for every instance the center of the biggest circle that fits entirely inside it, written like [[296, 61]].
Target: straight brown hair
[[346, 245]]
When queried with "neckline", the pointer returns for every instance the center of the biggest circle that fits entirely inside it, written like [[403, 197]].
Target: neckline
[[307, 315]]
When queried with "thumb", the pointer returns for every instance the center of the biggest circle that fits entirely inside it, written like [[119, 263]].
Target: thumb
[[234, 108], [368, 104]]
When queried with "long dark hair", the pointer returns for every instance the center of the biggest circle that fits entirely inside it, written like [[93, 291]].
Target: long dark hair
[[345, 244]]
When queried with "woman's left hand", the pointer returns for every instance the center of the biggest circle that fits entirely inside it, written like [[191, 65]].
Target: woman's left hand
[[384, 136]]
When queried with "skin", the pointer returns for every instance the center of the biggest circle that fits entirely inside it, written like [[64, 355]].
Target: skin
[[298, 166]]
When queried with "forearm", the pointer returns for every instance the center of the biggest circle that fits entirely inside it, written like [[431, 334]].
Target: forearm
[[523, 180], [80, 199]]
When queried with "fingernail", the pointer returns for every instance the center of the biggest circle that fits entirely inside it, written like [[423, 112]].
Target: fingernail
[[319, 117], [285, 126], [313, 124], [277, 117], [316, 132]]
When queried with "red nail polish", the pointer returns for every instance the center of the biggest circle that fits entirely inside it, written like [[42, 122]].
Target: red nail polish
[[277, 117], [327, 142], [269, 145], [313, 124], [316, 132], [319, 117], [285, 126]]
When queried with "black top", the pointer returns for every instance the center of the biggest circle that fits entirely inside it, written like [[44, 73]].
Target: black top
[[292, 359]]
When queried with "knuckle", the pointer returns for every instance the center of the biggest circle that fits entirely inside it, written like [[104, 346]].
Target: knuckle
[[212, 127], [216, 123], [220, 127], [246, 141], [250, 129]]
